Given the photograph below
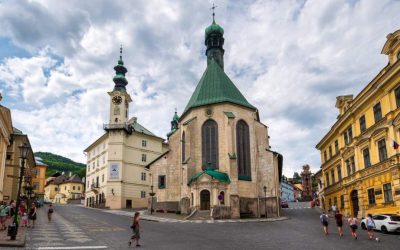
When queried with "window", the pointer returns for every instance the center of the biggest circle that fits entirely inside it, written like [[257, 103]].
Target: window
[[330, 202], [243, 150], [341, 201], [142, 194], [102, 178], [336, 147], [8, 157], [397, 93], [325, 157], [93, 165], [333, 176], [330, 151], [367, 160], [371, 196], [209, 141], [144, 143], [348, 136], [339, 172], [104, 159], [382, 150], [73, 187], [143, 176], [183, 147], [377, 112], [65, 188], [97, 162], [327, 179], [79, 187], [335, 201], [143, 157], [55, 189], [36, 186], [387, 192], [363, 126], [161, 181]]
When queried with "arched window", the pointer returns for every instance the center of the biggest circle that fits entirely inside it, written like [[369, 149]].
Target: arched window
[[183, 147], [243, 150], [209, 141]]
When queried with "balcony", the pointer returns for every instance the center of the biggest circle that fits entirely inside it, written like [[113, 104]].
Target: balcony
[[120, 126], [95, 187]]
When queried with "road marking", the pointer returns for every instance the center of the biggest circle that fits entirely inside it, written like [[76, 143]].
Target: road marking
[[77, 247]]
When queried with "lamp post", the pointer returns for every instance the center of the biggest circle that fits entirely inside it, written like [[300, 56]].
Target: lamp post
[[13, 228], [265, 196], [151, 194]]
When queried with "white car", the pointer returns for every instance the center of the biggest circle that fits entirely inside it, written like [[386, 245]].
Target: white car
[[384, 222]]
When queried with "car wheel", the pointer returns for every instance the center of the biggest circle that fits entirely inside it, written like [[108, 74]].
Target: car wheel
[[384, 230], [363, 226]]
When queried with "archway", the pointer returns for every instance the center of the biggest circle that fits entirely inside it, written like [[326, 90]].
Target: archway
[[354, 202], [205, 200]]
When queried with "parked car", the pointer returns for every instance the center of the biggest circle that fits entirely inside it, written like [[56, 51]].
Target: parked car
[[384, 222], [284, 204]]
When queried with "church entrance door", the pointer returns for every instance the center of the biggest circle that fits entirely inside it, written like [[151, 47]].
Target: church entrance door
[[205, 200]]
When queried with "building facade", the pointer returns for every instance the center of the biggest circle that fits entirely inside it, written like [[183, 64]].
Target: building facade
[[320, 197], [116, 176], [287, 190], [6, 130], [360, 156], [306, 182], [63, 189], [218, 158], [39, 178]]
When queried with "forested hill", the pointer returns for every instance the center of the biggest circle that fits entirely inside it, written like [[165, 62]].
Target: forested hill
[[58, 163]]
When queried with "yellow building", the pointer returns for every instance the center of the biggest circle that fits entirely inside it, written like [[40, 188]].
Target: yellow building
[[64, 189], [6, 130], [360, 167], [39, 178]]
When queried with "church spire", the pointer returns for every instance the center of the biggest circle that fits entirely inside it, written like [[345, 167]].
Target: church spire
[[120, 71], [214, 42]]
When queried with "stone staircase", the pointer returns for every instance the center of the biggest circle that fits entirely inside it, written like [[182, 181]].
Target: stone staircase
[[201, 215]]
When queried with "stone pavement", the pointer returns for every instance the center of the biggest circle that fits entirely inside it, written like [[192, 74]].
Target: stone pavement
[[5, 240], [167, 217]]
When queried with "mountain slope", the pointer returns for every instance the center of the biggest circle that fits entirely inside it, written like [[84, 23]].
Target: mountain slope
[[58, 163]]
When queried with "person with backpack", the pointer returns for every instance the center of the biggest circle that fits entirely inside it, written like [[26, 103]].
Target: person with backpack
[[339, 222], [370, 227], [324, 220], [136, 230], [353, 226]]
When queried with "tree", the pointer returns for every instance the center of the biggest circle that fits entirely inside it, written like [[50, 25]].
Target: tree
[[296, 177]]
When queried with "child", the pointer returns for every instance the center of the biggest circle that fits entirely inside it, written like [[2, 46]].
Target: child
[[25, 220]]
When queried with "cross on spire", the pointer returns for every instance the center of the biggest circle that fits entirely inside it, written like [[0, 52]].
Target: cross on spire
[[120, 53], [213, 11]]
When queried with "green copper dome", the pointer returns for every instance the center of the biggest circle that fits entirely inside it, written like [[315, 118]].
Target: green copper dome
[[214, 28]]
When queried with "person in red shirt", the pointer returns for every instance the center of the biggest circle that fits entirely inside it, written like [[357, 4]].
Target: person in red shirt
[[339, 222]]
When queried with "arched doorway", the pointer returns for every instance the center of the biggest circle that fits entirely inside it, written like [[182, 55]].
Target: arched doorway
[[354, 202], [205, 200]]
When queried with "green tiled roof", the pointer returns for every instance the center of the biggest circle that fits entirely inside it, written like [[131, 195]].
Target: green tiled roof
[[216, 87], [222, 177], [139, 128], [229, 114]]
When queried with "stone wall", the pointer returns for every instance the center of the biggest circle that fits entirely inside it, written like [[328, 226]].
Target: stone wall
[[221, 212]]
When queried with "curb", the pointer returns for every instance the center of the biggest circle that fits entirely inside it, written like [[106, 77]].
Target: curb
[[14, 243]]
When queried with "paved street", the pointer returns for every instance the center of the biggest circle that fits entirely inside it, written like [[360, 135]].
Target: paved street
[[76, 227]]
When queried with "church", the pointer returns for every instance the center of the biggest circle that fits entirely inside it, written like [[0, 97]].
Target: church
[[218, 160]]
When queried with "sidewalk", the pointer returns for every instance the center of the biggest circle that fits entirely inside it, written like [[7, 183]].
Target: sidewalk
[[174, 218], [5, 240]]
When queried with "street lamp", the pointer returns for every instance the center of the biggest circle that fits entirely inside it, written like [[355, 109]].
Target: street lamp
[[13, 228], [151, 194], [265, 195]]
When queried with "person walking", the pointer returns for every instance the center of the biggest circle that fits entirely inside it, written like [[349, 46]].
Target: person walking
[[32, 214], [136, 230], [3, 214], [324, 220], [353, 226], [50, 212], [334, 208], [370, 227], [339, 222]]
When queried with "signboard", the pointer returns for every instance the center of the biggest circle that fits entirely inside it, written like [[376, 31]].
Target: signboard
[[114, 171]]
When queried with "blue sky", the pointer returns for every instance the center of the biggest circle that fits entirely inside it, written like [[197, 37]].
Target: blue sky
[[289, 58]]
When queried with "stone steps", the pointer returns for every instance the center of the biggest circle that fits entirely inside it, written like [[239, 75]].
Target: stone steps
[[201, 215]]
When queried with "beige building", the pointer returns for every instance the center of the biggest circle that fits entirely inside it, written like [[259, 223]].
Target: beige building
[[64, 189], [115, 174], [6, 130], [219, 158]]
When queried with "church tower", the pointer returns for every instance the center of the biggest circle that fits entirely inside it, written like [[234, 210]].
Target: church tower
[[119, 98], [214, 42]]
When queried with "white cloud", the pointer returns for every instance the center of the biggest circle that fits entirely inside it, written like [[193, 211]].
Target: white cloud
[[289, 58]]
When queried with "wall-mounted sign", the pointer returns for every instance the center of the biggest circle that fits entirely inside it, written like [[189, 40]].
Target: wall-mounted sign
[[114, 171]]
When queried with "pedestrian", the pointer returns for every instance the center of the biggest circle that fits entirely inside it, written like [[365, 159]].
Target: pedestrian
[[136, 230], [32, 215], [50, 212], [339, 222], [370, 227], [3, 214], [353, 226], [25, 219], [324, 220], [334, 208]]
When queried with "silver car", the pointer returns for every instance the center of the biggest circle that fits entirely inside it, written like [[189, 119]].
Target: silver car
[[384, 222]]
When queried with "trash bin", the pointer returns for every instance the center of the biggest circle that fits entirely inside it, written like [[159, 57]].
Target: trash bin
[[12, 231]]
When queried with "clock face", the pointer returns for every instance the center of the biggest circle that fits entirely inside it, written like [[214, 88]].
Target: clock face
[[117, 100]]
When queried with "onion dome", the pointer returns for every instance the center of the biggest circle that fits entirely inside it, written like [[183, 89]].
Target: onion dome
[[120, 71]]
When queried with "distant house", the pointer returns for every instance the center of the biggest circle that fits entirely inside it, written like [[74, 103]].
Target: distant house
[[297, 190], [64, 189], [287, 190]]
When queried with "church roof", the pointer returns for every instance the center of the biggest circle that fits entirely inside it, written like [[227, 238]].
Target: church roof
[[216, 87], [220, 176]]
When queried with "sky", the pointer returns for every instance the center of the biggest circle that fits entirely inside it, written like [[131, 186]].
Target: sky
[[290, 59]]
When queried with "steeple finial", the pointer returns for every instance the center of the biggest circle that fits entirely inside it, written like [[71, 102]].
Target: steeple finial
[[213, 11], [120, 53]]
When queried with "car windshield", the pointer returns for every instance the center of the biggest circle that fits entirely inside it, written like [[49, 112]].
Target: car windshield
[[395, 218]]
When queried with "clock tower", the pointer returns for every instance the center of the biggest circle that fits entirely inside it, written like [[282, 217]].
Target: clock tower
[[119, 98]]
